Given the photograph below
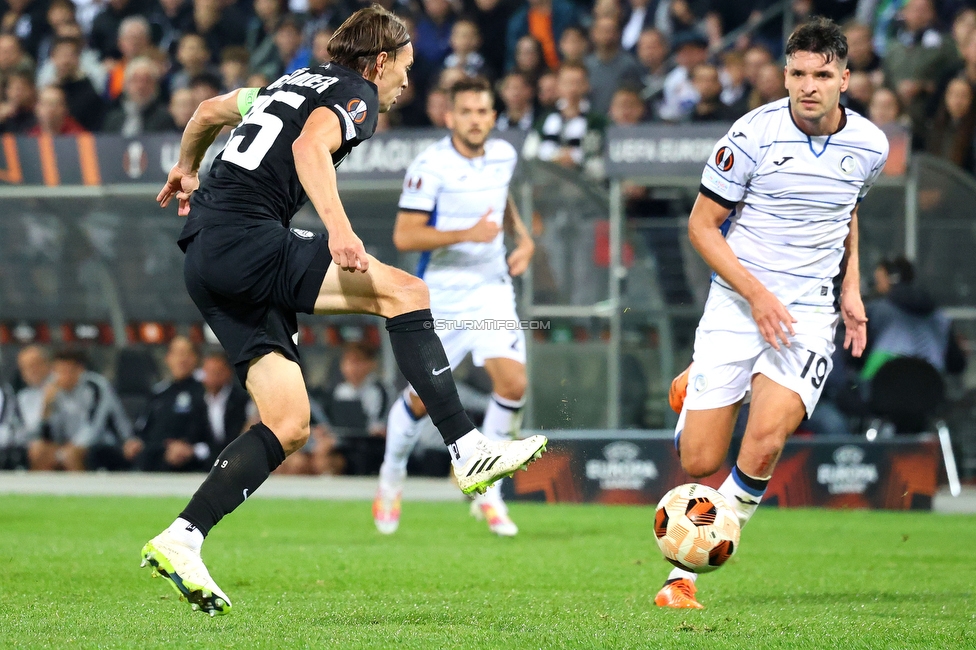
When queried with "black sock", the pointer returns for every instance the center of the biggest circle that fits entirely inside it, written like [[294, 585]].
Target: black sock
[[240, 469], [422, 361], [759, 485]]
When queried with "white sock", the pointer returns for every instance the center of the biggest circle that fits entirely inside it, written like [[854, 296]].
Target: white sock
[[465, 447], [677, 573], [402, 430], [492, 495], [186, 534], [503, 418], [743, 497]]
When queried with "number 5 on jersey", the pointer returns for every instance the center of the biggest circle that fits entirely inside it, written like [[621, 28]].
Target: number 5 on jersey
[[269, 126]]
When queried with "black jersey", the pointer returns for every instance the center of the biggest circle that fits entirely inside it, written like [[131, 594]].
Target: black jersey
[[254, 177]]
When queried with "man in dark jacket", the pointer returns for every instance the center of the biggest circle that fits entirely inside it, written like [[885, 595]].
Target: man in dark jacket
[[84, 103], [226, 401], [175, 431], [139, 110]]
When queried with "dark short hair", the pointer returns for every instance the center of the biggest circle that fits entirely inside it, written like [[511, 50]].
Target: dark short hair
[[218, 355], [72, 355], [821, 36], [67, 40], [471, 85], [206, 79], [360, 39], [899, 270]]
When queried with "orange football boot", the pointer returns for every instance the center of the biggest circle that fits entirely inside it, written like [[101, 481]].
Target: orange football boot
[[678, 594], [679, 389]]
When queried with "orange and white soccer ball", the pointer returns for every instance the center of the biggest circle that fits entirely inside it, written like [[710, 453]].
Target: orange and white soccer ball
[[696, 528]]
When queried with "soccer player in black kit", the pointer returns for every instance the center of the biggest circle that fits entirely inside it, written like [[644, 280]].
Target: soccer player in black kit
[[249, 275]]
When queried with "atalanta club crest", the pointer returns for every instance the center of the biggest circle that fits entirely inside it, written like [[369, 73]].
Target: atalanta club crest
[[724, 159], [357, 110]]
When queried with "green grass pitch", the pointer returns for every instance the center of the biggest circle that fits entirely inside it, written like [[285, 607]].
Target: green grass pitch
[[314, 574]]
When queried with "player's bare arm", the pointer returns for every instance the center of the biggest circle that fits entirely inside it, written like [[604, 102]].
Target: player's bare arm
[[775, 323], [518, 259], [851, 305], [321, 136], [211, 116], [412, 232]]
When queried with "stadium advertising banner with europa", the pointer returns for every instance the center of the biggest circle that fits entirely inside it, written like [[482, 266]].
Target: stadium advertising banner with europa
[[830, 471], [110, 159], [657, 149]]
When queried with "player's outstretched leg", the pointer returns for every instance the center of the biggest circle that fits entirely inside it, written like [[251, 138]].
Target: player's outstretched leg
[[402, 429], [404, 301], [278, 390]]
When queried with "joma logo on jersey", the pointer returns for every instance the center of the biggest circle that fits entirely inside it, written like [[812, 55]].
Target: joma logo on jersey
[[724, 159], [304, 78], [357, 110]]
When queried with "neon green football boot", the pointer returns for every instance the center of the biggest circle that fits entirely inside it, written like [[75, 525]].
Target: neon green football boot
[[183, 568]]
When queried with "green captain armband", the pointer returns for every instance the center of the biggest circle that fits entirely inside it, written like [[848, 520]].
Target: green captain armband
[[245, 99]]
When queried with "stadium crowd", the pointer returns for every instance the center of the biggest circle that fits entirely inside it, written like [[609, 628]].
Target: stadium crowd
[[564, 69], [59, 414]]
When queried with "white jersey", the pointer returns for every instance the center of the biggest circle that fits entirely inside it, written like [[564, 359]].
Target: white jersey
[[797, 194], [457, 191]]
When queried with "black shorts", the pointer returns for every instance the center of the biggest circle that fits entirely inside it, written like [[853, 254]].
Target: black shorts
[[250, 280]]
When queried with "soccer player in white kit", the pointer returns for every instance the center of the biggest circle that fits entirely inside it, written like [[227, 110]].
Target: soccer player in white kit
[[454, 207], [776, 219]]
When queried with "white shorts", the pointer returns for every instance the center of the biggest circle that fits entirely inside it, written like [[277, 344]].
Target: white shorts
[[729, 350], [486, 327]]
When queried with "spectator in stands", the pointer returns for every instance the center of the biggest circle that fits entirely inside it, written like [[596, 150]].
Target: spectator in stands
[[492, 18], [322, 15], [917, 57], [104, 34], [356, 409], [52, 114], [885, 108], [170, 19], [134, 42], [233, 67], [204, 86], [517, 94], [288, 43], [861, 56], [464, 56], [84, 103], [709, 107], [860, 90], [528, 58], [754, 58], [89, 65], [17, 109], [433, 27], [770, 86], [181, 108], [320, 48], [608, 66], [683, 18], [194, 59], [13, 58], [652, 57], [34, 366], [570, 136], [574, 46], [83, 424], [905, 322], [139, 110], [547, 91], [221, 25], [735, 87], [174, 430], [545, 21], [13, 446], [438, 104], [260, 36], [627, 107], [227, 402], [680, 95], [638, 18], [951, 133], [59, 13], [257, 80], [26, 19]]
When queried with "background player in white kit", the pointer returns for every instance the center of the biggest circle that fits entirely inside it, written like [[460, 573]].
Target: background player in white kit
[[798, 166], [454, 206]]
